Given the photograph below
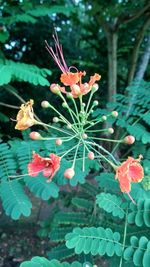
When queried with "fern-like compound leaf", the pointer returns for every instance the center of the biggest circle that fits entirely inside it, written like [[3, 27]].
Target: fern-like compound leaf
[[140, 213], [77, 218], [112, 204], [14, 200], [10, 70], [8, 164], [60, 252], [95, 241], [138, 251], [41, 188], [43, 262]]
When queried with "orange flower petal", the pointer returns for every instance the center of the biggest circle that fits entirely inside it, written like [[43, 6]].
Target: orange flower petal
[[94, 78]]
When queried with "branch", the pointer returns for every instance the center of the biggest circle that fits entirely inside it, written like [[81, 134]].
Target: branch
[[125, 19], [135, 53]]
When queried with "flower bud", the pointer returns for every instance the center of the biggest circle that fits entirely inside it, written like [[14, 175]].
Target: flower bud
[[58, 142], [64, 105], [95, 103], [69, 95], [69, 173], [114, 113], [69, 126], [75, 89], [55, 88], [129, 140], [35, 136], [56, 119], [45, 104], [84, 136], [110, 130], [95, 87], [91, 155], [104, 118]]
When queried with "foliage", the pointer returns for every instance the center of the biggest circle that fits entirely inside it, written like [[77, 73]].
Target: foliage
[[43, 262]]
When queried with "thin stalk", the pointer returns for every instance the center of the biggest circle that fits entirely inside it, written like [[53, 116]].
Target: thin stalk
[[52, 127], [75, 156], [102, 156], [124, 237], [68, 151], [107, 140]]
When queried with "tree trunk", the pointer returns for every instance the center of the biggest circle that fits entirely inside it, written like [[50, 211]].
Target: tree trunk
[[112, 38], [143, 62], [136, 48]]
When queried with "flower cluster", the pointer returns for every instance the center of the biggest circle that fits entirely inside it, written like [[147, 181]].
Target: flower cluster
[[81, 127]]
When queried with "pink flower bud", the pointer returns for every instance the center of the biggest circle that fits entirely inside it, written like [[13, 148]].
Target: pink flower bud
[[55, 88], [114, 114], [91, 155], [45, 104], [110, 130], [58, 142], [129, 140], [84, 136], [75, 89], [69, 173], [35, 136]]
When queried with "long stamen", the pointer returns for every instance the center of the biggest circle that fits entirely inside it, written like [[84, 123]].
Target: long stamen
[[58, 54]]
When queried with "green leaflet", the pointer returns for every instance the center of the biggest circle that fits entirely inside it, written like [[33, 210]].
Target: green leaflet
[[41, 188], [10, 70], [60, 252], [43, 262], [112, 204], [15, 202], [138, 251], [140, 213], [95, 241]]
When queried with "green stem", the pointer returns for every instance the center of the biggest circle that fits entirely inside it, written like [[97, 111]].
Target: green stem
[[74, 161], [53, 127], [102, 156], [106, 151], [68, 151], [124, 237], [105, 139]]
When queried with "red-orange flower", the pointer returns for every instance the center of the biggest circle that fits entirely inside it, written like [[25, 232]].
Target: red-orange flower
[[48, 166], [130, 171], [68, 78]]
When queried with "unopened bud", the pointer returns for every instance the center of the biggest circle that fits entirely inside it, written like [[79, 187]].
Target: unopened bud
[[91, 155], [45, 104], [76, 89], [110, 130], [69, 126], [55, 88], [104, 118], [129, 140], [95, 103], [64, 105], [83, 104], [69, 173], [69, 95], [84, 136], [114, 114], [35, 136], [95, 87], [56, 119], [58, 142]]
